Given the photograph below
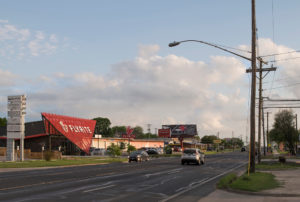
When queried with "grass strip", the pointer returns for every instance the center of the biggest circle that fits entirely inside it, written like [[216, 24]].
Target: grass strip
[[226, 181], [62, 162], [255, 182], [274, 165]]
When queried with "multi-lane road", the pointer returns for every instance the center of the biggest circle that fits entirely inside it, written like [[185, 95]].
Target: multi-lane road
[[163, 179]]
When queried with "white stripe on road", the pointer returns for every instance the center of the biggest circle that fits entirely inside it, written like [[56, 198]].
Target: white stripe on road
[[203, 182], [99, 188], [191, 185], [164, 172]]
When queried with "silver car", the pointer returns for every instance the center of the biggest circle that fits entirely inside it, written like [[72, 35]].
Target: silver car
[[192, 156]]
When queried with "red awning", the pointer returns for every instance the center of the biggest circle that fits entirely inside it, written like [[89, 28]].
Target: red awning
[[79, 131]]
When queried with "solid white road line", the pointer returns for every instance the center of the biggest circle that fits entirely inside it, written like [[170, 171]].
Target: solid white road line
[[204, 182], [99, 188]]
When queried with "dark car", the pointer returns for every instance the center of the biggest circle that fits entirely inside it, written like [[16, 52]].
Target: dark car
[[243, 149], [138, 156], [152, 151]]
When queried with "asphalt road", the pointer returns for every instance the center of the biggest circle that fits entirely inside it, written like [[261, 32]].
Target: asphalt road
[[163, 179]]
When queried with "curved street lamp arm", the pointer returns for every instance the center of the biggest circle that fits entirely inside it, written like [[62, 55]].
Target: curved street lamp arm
[[175, 43]]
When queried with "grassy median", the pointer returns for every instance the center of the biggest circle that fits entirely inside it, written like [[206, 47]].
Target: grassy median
[[275, 165], [254, 182], [62, 162]]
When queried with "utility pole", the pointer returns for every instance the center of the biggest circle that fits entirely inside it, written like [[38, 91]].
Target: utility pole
[[149, 129], [232, 141], [260, 70], [263, 128], [253, 91], [268, 139], [259, 111], [296, 122], [297, 133]]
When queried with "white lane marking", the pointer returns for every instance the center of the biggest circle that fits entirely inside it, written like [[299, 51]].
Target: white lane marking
[[99, 188], [204, 182], [163, 172], [191, 185]]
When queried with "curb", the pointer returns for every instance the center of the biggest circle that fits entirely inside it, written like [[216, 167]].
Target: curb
[[259, 193]]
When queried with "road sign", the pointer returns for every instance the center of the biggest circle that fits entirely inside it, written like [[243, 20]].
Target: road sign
[[15, 128], [13, 114], [14, 135], [217, 141], [15, 120]]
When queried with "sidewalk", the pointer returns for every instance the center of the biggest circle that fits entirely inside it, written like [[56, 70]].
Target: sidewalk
[[288, 192]]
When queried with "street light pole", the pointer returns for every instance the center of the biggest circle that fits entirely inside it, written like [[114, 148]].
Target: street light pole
[[253, 83]]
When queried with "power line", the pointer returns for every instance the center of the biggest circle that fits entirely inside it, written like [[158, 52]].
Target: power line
[[294, 84], [285, 59], [274, 54]]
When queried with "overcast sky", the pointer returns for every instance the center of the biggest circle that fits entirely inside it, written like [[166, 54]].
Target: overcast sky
[[111, 59]]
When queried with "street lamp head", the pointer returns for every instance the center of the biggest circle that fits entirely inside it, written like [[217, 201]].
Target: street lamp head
[[175, 43]]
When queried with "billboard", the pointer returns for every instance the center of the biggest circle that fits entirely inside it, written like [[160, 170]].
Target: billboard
[[77, 130], [166, 133], [182, 130]]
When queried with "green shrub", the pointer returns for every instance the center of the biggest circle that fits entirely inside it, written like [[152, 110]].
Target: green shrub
[[168, 150], [130, 148], [114, 150], [48, 155], [122, 145]]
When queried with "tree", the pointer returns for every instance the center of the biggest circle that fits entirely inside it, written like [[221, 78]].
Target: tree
[[284, 130], [138, 132], [208, 139], [114, 150], [3, 121], [117, 131], [103, 126]]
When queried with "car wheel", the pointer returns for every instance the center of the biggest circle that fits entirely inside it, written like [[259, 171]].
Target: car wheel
[[129, 161], [198, 162]]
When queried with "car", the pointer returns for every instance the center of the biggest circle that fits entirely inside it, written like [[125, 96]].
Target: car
[[243, 149], [190, 155], [152, 151], [138, 156], [98, 151], [160, 150]]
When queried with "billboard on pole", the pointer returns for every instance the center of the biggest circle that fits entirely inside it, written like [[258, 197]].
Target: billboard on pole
[[182, 130]]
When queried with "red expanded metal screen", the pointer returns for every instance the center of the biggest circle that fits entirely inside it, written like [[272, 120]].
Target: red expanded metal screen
[[79, 131]]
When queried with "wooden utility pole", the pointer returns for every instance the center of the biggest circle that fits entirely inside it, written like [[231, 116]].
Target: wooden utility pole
[[263, 128], [253, 91], [259, 111], [260, 104], [268, 138]]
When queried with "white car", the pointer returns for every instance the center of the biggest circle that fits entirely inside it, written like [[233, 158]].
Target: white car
[[190, 155]]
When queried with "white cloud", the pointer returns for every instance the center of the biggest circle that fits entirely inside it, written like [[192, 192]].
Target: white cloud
[[3, 21], [19, 43], [155, 89], [160, 90], [7, 78], [146, 51]]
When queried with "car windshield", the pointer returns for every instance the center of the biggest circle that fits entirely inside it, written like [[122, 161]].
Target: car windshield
[[189, 151]]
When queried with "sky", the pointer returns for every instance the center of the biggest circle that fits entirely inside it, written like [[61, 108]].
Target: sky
[[111, 59]]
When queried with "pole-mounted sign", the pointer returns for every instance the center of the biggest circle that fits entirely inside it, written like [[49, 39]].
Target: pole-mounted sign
[[16, 106]]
